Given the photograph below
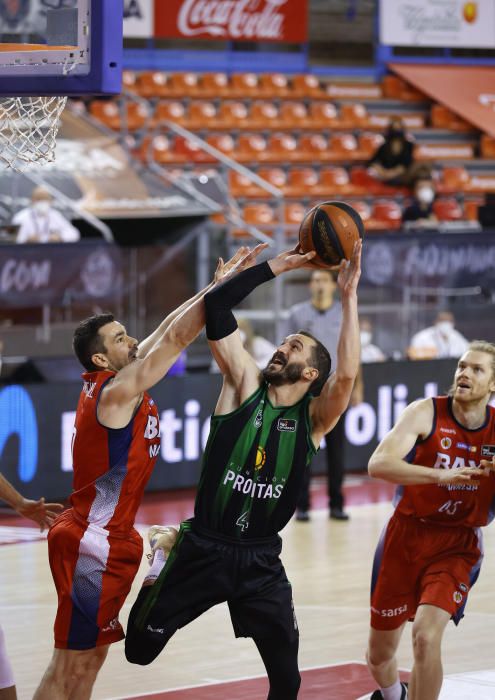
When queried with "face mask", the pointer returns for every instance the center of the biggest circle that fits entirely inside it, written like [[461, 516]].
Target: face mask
[[445, 327], [365, 337], [426, 195], [243, 336], [394, 133], [42, 207]]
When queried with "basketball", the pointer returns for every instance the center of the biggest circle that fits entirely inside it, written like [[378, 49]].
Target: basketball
[[330, 229]]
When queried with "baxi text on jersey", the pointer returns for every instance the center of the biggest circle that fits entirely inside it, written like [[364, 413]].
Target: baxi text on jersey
[[444, 461], [152, 432]]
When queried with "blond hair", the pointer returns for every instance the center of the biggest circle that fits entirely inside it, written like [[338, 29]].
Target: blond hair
[[486, 347]]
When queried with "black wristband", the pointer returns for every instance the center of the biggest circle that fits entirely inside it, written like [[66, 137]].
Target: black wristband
[[220, 321]]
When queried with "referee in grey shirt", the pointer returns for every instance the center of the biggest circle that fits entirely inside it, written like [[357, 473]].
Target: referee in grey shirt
[[322, 317]]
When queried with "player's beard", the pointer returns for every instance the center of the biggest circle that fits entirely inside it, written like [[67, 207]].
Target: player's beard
[[290, 374]]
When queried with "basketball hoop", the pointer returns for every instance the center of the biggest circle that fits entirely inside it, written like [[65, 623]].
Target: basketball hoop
[[28, 129]]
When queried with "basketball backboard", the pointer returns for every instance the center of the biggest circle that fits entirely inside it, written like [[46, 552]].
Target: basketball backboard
[[60, 47]]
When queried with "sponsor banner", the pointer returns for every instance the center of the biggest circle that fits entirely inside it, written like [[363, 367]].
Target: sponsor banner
[[33, 275], [138, 18], [236, 20], [445, 260], [38, 457], [475, 101], [442, 23]]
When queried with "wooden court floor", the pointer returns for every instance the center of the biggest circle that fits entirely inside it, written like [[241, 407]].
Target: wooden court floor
[[329, 564]]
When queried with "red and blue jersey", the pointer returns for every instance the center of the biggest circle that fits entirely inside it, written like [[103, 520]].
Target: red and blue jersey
[[451, 445], [111, 466]]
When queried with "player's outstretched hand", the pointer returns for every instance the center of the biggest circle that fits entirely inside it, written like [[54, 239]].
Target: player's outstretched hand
[[42, 513], [488, 464], [243, 258], [463, 475], [350, 271], [292, 259]]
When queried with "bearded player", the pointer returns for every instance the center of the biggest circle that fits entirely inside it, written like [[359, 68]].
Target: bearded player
[[265, 429]]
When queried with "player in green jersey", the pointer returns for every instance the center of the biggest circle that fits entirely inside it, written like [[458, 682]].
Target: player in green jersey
[[265, 429]]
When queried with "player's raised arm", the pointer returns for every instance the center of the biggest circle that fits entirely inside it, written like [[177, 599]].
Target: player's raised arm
[[141, 374], [388, 460], [235, 363], [334, 397], [222, 270]]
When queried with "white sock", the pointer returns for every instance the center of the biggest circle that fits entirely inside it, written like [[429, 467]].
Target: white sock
[[393, 692], [159, 560]]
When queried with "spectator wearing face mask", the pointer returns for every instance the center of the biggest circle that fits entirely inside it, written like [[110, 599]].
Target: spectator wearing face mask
[[393, 162], [41, 223], [439, 340], [369, 352], [420, 211]]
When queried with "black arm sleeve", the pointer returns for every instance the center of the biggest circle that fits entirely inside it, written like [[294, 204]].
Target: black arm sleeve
[[220, 321]]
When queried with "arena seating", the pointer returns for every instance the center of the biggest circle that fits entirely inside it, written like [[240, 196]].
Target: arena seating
[[307, 137]]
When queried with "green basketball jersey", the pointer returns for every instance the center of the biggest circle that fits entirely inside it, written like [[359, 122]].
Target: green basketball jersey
[[253, 465]]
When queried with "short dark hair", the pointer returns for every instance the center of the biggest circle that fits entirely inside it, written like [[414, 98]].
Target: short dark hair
[[320, 357], [87, 339]]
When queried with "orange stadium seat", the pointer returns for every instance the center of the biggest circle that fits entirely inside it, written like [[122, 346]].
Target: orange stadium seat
[[314, 147], [244, 85], [259, 214], [131, 115], [306, 85], [294, 213], [223, 142], [487, 144], [444, 118], [190, 151], [159, 149], [363, 209], [171, 110], [294, 115], [455, 179], [184, 84], [368, 143], [263, 115], [107, 112], [274, 85], [251, 147], [447, 209], [343, 146], [214, 85], [275, 176], [334, 179], [397, 89], [471, 209], [152, 84], [129, 80], [233, 115], [201, 115], [302, 182], [353, 115], [386, 214], [242, 186], [323, 115], [282, 147]]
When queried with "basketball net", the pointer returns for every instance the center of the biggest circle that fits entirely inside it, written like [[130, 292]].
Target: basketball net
[[28, 129]]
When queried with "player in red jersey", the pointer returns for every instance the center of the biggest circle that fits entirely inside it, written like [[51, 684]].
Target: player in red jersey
[[441, 453], [94, 549]]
